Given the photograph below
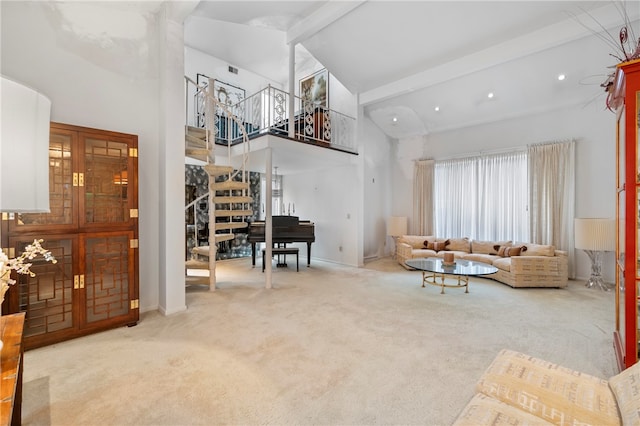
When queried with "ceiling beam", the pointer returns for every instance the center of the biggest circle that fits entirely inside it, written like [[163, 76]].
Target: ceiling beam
[[327, 14], [537, 41], [179, 11]]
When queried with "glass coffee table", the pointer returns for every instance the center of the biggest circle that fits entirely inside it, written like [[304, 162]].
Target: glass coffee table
[[435, 273]]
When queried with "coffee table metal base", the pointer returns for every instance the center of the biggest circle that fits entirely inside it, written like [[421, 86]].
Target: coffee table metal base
[[435, 272], [432, 278]]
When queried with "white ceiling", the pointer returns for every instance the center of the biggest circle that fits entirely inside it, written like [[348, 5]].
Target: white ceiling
[[404, 58]]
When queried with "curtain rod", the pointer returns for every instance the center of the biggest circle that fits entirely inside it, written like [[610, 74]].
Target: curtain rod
[[504, 150], [561, 141], [481, 153]]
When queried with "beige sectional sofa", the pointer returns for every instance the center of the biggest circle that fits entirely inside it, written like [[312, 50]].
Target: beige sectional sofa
[[518, 389], [537, 265]]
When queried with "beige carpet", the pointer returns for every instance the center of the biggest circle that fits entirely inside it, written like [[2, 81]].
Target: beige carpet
[[330, 345]]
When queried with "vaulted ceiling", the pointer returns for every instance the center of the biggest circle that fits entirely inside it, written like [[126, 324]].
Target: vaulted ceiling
[[405, 58]]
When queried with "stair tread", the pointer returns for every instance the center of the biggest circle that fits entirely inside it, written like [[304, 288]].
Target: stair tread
[[220, 186], [218, 170], [196, 264], [224, 237], [191, 280], [199, 142], [196, 130], [230, 225], [201, 250], [231, 199], [228, 213], [196, 151], [201, 157], [190, 145]]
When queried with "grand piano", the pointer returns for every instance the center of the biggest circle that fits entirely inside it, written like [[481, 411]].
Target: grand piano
[[286, 229]]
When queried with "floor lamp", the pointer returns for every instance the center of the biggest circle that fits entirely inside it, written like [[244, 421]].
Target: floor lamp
[[595, 236], [396, 227]]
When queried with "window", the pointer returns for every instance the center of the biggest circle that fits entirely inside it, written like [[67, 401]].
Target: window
[[483, 198]]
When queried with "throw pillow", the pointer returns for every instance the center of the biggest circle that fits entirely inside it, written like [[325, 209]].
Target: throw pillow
[[415, 241], [487, 247], [438, 245], [626, 388], [514, 251], [460, 244], [540, 250], [506, 251]]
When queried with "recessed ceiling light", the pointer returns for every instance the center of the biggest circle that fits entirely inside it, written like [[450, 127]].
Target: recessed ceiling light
[[490, 95], [437, 108], [395, 119], [561, 77]]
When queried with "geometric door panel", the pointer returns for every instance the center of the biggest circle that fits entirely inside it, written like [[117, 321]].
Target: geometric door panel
[[107, 175], [47, 298], [108, 275]]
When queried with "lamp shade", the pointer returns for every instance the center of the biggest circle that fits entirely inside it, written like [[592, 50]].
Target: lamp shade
[[24, 148], [596, 234], [396, 226]]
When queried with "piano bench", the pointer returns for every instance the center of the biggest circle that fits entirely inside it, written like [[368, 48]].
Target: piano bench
[[282, 251]]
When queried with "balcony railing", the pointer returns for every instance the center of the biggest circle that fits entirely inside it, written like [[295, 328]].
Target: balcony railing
[[267, 112]]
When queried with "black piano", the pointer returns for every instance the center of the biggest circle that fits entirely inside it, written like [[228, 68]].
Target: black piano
[[286, 229]]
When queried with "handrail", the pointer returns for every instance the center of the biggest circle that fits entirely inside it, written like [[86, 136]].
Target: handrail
[[267, 111], [197, 94], [212, 105], [192, 205]]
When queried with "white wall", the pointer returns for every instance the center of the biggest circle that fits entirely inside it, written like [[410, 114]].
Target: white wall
[[197, 62], [348, 204], [591, 125], [376, 148], [96, 82], [329, 198]]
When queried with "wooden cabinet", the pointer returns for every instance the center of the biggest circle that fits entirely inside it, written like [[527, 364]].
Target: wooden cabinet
[[626, 101], [11, 363], [92, 230]]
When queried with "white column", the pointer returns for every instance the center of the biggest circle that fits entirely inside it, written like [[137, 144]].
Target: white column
[[362, 148], [292, 88], [268, 221], [171, 227]]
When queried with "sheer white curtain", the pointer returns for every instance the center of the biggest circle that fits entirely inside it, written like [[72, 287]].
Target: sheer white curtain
[[483, 198], [455, 197], [423, 197], [552, 196], [502, 197]]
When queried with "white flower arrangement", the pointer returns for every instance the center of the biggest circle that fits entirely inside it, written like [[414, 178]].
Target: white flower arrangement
[[20, 264]]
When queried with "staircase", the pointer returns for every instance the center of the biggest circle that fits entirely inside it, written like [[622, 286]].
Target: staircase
[[229, 202]]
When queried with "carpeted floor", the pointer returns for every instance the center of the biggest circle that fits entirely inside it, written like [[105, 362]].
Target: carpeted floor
[[329, 345]]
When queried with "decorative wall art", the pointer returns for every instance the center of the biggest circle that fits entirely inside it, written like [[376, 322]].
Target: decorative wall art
[[225, 93], [315, 88]]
